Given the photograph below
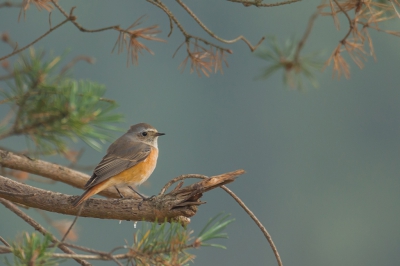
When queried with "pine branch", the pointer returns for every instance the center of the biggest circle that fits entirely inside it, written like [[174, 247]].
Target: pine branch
[[177, 204]]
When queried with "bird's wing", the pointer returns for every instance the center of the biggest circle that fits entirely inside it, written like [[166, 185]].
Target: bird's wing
[[120, 156]]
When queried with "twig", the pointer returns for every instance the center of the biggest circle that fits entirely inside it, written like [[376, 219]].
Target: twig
[[9, 4], [101, 253], [301, 43], [75, 60], [240, 202], [5, 250], [212, 34], [4, 241], [74, 256], [394, 8], [40, 228], [35, 41], [86, 249], [72, 224], [72, 18], [181, 177], [188, 36], [260, 4], [258, 223], [90, 257], [351, 23]]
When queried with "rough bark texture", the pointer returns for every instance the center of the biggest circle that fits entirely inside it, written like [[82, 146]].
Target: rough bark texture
[[179, 204], [55, 172]]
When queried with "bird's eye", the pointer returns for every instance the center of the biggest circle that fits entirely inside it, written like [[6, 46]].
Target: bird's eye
[[144, 134]]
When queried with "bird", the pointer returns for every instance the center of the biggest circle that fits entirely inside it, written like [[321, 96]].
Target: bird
[[130, 160]]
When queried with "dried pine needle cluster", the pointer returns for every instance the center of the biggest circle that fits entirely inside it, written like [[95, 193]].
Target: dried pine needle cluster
[[362, 15], [204, 61], [128, 39]]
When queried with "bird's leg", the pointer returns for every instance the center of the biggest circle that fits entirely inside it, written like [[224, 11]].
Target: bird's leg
[[143, 197], [119, 192]]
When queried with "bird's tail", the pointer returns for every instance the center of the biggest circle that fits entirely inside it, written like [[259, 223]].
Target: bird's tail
[[90, 192], [82, 198]]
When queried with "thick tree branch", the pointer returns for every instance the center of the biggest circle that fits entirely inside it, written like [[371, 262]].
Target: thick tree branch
[[177, 205], [54, 171]]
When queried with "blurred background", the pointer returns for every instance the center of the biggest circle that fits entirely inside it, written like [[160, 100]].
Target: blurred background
[[323, 171]]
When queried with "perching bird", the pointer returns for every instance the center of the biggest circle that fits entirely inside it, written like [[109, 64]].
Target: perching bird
[[130, 160]]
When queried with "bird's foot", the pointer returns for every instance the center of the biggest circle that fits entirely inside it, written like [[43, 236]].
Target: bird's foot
[[145, 199]]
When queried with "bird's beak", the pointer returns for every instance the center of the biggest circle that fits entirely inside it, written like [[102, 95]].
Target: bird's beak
[[159, 134]]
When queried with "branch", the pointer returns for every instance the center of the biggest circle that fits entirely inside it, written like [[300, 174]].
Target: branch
[[258, 223], [240, 202], [188, 36], [351, 23], [258, 3], [212, 34], [39, 228], [4, 250], [177, 205], [301, 43], [72, 18], [35, 41], [54, 171], [9, 4]]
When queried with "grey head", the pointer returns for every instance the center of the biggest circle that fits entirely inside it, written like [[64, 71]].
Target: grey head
[[145, 133]]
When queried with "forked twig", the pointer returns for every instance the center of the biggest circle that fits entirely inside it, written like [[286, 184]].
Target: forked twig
[[351, 23], [72, 18], [240, 202], [212, 34]]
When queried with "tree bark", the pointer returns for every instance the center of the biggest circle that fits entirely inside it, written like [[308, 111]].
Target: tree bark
[[179, 204]]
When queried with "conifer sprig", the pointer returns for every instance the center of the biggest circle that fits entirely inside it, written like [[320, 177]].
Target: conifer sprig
[[49, 108]]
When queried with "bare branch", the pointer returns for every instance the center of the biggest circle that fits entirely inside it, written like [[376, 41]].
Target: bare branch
[[54, 171], [301, 43], [4, 242], [258, 223], [39, 228], [188, 36], [72, 18], [179, 178], [171, 206], [351, 23], [240, 202], [177, 205], [212, 34], [35, 41], [10, 4], [260, 4]]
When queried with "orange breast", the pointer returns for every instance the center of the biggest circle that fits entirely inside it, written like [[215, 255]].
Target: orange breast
[[139, 173]]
